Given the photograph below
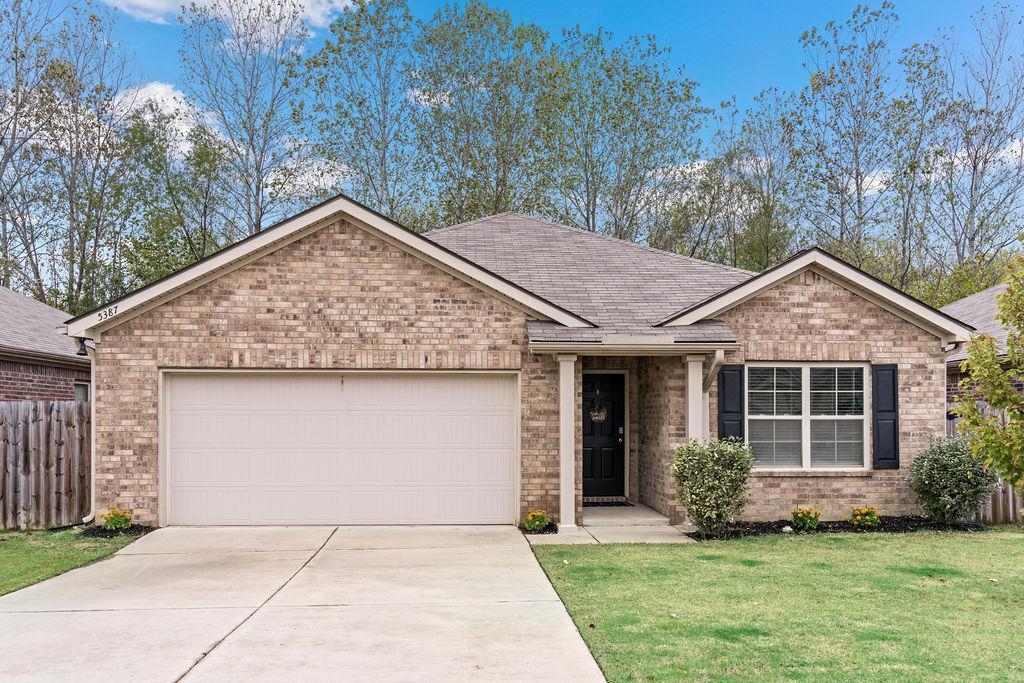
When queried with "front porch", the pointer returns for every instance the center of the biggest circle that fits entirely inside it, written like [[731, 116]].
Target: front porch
[[627, 523], [620, 419]]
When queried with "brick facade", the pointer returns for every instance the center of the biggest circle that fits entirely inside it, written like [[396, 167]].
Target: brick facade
[[811, 318], [339, 298], [21, 381]]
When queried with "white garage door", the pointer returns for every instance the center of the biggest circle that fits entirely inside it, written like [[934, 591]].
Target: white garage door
[[322, 448]]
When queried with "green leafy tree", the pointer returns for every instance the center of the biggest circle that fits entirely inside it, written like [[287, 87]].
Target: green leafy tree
[[182, 168], [991, 404], [361, 115], [483, 110], [626, 119]]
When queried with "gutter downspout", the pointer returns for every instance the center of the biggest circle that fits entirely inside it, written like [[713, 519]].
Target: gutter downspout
[[92, 438]]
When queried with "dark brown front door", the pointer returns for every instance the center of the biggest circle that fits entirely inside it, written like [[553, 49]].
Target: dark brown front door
[[604, 435]]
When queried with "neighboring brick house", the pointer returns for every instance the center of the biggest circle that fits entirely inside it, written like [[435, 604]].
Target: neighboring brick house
[[980, 311], [338, 368], [37, 360]]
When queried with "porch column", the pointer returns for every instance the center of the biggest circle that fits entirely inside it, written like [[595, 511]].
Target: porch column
[[695, 398], [566, 441]]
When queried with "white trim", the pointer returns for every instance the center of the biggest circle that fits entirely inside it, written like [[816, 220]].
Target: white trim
[[85, 383], [163, 502], [948, 329], [695, 397], [288, 231], [805, 417], [625, 388], [92, 441], [566, 441], [600, 349]]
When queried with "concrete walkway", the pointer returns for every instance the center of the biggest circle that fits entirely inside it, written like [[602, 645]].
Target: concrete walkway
[[299, 603], [614, 524]]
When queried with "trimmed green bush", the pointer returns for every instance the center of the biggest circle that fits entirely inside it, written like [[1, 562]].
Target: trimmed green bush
[[711, 481], [950, 483]]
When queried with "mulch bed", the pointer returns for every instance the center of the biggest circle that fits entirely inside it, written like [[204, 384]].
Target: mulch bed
[[891, 525], [96, 531], [551, 528]]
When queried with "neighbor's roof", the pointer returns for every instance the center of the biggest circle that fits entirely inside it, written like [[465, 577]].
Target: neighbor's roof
[[33, 329], [978, 310], [622, 287]]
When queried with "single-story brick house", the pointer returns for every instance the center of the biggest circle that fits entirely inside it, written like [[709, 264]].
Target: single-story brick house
[[37, 360], [338, 368]]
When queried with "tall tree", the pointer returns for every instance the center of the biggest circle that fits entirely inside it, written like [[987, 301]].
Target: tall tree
[[627, 124], [182, 195], [80, 216], [237, 57], [361, 114], [979, 175], [484, 107], [841, 145], [29, 29]]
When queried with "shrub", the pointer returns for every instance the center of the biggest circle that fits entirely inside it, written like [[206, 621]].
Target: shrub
[[865, 517], [117, 519], [536, 521], [806, 518], [711, 481], [950, 483]]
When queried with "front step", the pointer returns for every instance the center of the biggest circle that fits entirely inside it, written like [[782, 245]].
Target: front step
[[635, 515]]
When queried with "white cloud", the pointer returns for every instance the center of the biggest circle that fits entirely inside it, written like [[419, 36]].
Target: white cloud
[[318, 13]]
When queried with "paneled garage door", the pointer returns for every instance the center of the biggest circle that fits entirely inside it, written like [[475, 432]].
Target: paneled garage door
[[324, 448]]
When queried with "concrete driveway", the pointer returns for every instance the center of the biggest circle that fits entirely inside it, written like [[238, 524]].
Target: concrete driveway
[[302, 603]]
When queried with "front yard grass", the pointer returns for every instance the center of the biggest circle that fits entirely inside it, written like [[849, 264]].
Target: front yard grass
[[27, 558], [867, 607]]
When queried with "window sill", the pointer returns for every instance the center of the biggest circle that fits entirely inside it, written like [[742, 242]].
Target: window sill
[[860, 472]]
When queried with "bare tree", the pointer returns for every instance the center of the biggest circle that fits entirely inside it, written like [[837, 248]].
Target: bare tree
[[625, 135], [29, 30], [841, 150], [78, 204], [237, 57], [979, 173], [362, 112]]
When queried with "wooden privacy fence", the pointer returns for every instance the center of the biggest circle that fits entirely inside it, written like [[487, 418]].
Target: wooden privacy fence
[[1004, 507], [45, 463]]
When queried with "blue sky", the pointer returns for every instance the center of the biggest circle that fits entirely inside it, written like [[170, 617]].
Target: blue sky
[[733, 48]]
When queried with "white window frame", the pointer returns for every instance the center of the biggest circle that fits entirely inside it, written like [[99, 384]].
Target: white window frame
[[88, 386], [805, 416]]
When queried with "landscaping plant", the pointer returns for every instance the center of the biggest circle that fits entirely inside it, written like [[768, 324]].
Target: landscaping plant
[[536, 521], [990, 403], [806, 518], [950, 483], [116, 519], [711, 481], [865, 517]]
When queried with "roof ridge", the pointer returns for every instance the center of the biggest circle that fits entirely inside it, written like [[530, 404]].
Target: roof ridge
[[470, 222], [610, 238]]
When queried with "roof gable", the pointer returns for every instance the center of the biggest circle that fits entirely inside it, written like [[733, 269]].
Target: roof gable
[[949, 329], [296, 227]]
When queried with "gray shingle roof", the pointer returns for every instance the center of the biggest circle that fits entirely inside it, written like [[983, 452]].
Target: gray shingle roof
[[33, 327], [978, 310], [622, 287]]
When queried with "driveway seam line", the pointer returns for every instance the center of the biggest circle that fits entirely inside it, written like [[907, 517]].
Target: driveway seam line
[[258, 607]]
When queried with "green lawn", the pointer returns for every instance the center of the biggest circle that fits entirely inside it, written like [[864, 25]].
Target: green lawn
[[873, 607], [27, 558]]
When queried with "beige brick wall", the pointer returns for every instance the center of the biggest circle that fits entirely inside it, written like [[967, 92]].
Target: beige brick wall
[[339, 298], [811, 318], [662, 427]]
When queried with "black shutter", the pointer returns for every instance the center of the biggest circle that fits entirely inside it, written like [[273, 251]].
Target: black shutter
[[885, 417], [730, 402]]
